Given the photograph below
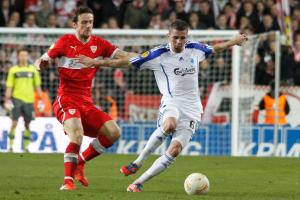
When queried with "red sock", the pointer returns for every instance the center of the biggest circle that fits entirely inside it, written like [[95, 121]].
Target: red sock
[[91, 153], [87, 155], [70, 161], [104, 141]]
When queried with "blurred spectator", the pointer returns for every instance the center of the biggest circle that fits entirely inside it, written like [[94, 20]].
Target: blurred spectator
[[268, 24], [221, 23], [295, 60], [64, 10], [205, 77], [69, 23], [171, 18], [296, 13], [112, 23], [4, 12], [268, 73], [206, 14], [43, 14], [220, 71], [33, 5], [192, 6], [156, 23], [244, 23], [230, 15], [52, 21], [104, 9], [119, 90], [44, 109], [14, 20], [236, 5], [163, 7], [267, 103], [180, 12], [136, 16], [286, 68], [194, 22], [103, 98], [259, 70], [261, 10], [30, 21], [247, 10]]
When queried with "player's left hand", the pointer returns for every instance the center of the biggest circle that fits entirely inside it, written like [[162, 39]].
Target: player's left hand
[[86, 61], [40, 64], [241, 38]]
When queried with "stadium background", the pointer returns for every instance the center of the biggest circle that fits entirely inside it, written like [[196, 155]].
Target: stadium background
[[136, 98]]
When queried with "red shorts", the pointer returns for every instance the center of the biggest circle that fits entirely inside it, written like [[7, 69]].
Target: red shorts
[[92, 119]]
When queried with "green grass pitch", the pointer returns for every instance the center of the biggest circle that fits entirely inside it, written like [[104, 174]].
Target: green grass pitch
[[39, 176]]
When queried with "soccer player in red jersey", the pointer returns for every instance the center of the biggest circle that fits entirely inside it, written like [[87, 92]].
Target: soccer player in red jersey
[[73, 106]]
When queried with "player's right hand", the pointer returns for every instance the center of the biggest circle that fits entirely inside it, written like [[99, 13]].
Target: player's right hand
[[41, 64], [241, 38], [8, 105]]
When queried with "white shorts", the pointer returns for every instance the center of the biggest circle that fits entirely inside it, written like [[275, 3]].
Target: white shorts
[[185, 128]]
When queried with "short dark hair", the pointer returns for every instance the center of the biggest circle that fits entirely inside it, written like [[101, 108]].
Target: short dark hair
[[21, 49], [80, 10], [179, 25]]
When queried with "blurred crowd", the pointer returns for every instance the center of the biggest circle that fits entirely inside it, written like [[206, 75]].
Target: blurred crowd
[[249, 16]]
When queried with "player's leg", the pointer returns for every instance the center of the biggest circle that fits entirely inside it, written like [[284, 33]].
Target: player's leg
[[105, 130], [106, 136], [74, 130], [28, 114], [155, 140], [159, 165], [15, 114], [180, 139], [12, 133], [167, 126], [67, 112]]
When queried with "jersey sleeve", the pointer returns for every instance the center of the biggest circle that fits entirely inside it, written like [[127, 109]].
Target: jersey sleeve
[[147, 60], [10, 78], [109, 49], [207, 49], [203, 50], [57, 49]]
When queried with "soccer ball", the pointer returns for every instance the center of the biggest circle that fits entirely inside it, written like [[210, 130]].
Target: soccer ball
[[196, 183]]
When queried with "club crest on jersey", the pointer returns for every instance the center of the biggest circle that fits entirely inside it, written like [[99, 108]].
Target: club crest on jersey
[[72, 111], [93, 48], [145, 54]]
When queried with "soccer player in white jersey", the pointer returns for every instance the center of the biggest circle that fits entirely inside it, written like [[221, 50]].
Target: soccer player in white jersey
[[176, 67]]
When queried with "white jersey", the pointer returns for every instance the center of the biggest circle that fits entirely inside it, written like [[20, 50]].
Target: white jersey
[[176, 75]]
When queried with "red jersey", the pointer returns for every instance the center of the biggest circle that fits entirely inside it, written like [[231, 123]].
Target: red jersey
[[74, 79]]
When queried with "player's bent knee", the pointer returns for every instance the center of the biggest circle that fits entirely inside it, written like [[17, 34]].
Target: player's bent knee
[[115, 134], [169, 126]]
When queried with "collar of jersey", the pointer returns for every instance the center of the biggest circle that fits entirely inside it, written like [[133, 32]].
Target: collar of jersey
[[174, 53]]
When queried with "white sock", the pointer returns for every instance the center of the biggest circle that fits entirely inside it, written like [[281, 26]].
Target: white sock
[[160, 165], [155, 140]]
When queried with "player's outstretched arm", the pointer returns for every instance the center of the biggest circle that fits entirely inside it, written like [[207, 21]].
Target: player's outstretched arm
[[89, 62], [237, 40]]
